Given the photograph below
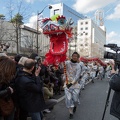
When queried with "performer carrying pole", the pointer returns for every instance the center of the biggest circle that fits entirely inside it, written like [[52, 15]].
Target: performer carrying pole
[[72, 88]]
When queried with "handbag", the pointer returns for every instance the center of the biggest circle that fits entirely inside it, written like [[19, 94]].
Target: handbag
[[6, 106]]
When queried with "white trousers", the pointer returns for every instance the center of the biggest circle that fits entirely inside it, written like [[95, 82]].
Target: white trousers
[[72, 95]]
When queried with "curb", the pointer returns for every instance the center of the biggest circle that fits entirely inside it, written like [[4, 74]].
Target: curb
[[60, 99]]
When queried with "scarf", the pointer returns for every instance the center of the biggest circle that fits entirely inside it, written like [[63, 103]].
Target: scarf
[[73, 61]]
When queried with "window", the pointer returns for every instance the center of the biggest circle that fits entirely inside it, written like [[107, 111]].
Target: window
[[81, 28], [86, 22], [75, 33], [86, 33], [81, 23], [75, 37], [86, 28], [81, 45]]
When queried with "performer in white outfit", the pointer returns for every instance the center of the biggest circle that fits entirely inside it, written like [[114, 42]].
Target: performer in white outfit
[[101, 70], [84, 76], [72, 88], [108, 70], [93, 71]]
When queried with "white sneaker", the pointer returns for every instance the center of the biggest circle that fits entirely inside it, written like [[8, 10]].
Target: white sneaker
[[47, 111]]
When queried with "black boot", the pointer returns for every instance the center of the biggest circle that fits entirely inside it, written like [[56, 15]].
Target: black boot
[[74, 109], [92, 81], [71, 116]]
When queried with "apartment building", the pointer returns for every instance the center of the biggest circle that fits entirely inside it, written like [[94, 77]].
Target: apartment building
[[91, 38]]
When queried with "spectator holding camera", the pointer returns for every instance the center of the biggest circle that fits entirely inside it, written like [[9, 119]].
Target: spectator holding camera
[[29, 88], [72, 88], [48, 94], [115, 85]]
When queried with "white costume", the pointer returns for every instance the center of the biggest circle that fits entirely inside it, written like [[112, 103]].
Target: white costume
[[93, 71], [101, 70], [72, 94], [108, 69], [84, 77]]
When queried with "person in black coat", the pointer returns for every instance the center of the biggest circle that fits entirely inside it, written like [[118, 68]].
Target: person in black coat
[[29, 91], [115, 85]]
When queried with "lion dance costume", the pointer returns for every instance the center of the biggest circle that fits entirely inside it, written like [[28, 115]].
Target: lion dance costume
[[59, 32]]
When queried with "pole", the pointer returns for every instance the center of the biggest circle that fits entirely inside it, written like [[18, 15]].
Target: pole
[[75, 44], [65, 73], [38, 13], [107, 102], [37, 32], [69, 50]]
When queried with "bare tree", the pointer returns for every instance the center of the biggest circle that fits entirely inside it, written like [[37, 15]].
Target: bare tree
[[27, 43], [3, 46], [17, 12], [2, 29]]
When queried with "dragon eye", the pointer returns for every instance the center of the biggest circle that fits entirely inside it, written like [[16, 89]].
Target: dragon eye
[[61, 21]]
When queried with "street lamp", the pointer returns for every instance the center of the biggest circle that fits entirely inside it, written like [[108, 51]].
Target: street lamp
[[38, 13]]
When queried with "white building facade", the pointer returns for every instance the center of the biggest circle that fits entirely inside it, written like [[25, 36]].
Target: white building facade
[[90, 39], [29, 41]]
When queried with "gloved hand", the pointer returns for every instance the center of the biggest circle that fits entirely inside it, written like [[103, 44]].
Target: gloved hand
[[69, 85]]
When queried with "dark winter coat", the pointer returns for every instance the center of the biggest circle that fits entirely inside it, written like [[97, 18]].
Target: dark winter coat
[[115, 105], [4, 91], [29, 92]]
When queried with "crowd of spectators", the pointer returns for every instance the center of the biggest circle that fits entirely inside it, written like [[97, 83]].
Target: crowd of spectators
[[32, 85]]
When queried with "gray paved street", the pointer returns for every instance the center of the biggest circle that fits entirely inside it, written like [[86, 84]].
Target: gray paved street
[[92, 104]]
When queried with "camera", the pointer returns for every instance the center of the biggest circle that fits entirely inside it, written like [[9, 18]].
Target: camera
[[115, 56], [37, 62]]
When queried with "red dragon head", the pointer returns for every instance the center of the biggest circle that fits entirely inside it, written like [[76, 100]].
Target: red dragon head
[[59, 31]]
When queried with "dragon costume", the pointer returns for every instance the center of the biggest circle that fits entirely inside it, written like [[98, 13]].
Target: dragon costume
[[59, 31]]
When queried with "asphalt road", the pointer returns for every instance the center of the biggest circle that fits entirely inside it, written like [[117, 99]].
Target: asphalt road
[[92, 103]]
